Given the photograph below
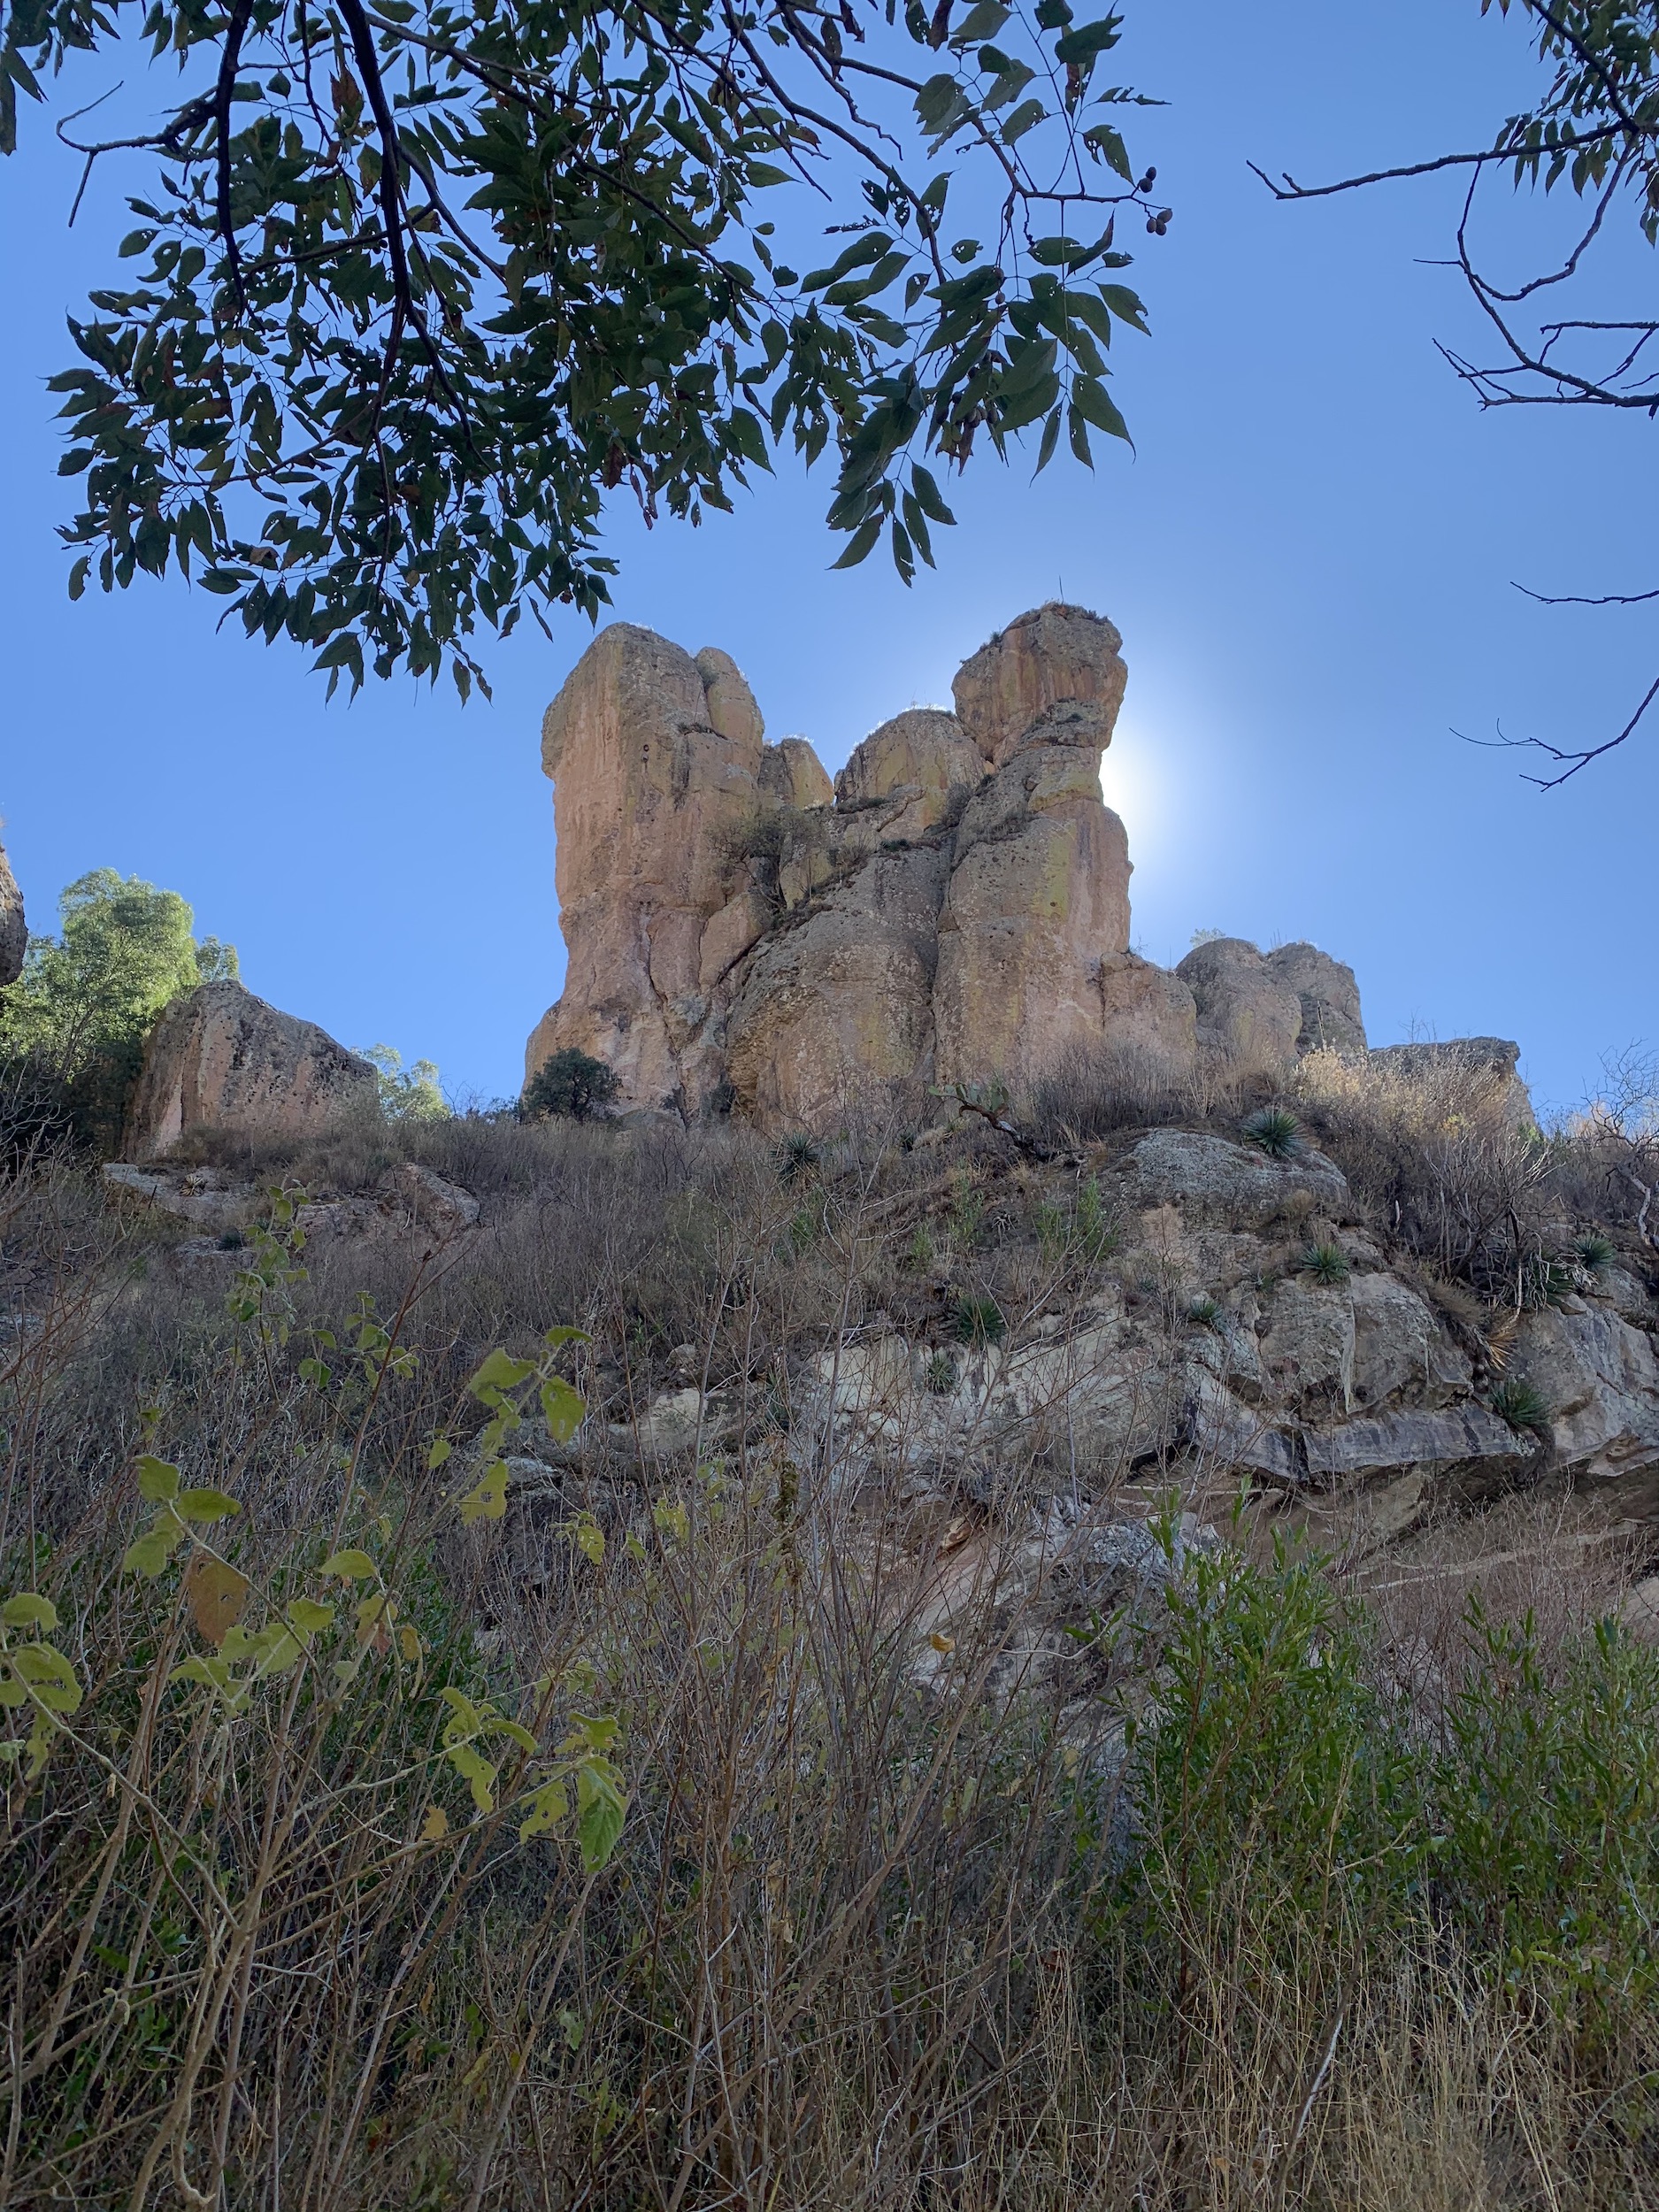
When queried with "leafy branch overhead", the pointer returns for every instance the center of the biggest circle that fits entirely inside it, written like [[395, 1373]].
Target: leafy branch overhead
[[418, 283]]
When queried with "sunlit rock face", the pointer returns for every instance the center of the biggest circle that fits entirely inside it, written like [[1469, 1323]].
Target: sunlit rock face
[[746, 937], [14, 934]]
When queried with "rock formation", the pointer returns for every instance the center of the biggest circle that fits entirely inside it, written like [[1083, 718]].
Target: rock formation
[[221, 1059], [953, 909], [14, 934]]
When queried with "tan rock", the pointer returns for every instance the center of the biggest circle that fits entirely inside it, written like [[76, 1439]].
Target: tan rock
[[792, 774], [1054, 677], [1481, 1069], [1249, 1018], [742, 921], [1148, 1014], [14, 935], [1039, 899], [836, 1014], [654, 805], [922, 764], [1329, 997], [220, 1058]]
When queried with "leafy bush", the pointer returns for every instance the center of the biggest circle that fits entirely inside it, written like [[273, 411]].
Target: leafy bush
[[1203, 1312], [1327, 1263], [571, 1085], [1274, 1130], [1520, 1405], [1595, 1252]]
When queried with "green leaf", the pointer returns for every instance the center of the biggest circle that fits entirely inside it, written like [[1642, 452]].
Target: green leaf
[[150, 1554], [1088, 40], [487, 1500], [158, 1479], [309, 1617], [862, 544], [1050, 438], [46, 1675], [28, 1610], [1110, 142], [351, 1566], [549, 1806], [1091, 400], [601, 1809], [500, 1372], [566, 1334], [1025, 117], [204, 1505], [588, 1538], [563, 1408], [928, 496]]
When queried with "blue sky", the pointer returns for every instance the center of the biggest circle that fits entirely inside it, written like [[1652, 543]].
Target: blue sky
[[1310, 556]]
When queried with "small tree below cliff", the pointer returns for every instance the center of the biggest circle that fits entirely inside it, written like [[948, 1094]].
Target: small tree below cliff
[[572, 1086]]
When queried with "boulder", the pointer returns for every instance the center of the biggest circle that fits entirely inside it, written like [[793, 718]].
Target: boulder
[[426, 1199], [792, 775], [1039, 899], [1598, 1379], [921, 762], [1054, 677], [1227, 1434], [654, 759], [14, 934], [221, 1059], [1211, 1179], [1400, 1346], [1466, 1440], [835, 1012], [1328, 996], [1307, 1352], [1149, 1016], [1249, 1018]]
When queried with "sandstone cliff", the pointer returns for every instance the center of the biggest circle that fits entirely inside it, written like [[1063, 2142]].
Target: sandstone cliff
[[14, 934]]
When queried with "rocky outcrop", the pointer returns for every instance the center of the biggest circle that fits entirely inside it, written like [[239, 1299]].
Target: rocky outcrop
[[221, 1059], [1491, 1060], [14, 934], [953, 909]]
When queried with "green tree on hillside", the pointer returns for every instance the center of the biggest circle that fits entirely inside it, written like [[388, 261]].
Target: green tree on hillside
[[417, 285], [79, 1012]]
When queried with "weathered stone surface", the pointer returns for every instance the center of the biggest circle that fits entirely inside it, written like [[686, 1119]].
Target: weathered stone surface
[[1248, 1018], [1054, 677], [429, 1200], [1148, 1016], [1307, 1352], [1328, 995], [654, 759], [836, 1010], [923, 760], [1039, 899], [1228, 1434], [1599, 1379], [1465, 1438], [1210, 1179], [742, 921], [221, 1059], [792, 774], [14, 934], [205, 1195], [1399, 1345]]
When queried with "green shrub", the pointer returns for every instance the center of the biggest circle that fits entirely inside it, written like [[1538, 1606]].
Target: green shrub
[[1203, 1312], [1327, 1263], [1595, 1252], [942, 1374], [407, 1094], [978, 1321], [1520, 1405], [572, 1086], [1098, 1232], [797, 1155], [1274, 1130]]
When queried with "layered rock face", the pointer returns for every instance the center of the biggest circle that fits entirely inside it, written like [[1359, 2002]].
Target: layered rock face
[[14, 934], [221, 1059], [955, 909]]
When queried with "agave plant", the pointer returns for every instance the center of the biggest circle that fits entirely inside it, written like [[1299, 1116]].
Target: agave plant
[[1521, 1406], [1274, 1130], [1327, 1263]]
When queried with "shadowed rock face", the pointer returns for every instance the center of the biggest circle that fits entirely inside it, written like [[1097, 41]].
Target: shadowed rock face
[[955, 909], [221, 1059], [14, 934]]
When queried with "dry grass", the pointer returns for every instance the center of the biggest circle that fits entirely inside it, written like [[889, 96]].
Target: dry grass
[[873, 1936]]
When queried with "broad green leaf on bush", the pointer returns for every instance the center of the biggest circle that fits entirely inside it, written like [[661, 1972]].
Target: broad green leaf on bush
[[441, 1448], [39, 1674], [28, 1610], [158, 1479], [309, 1617], [478, 1772], [600, 1809], [149, 1555], [204, 1505], [566, 1334], [549, 1806], [563, 1409], [487, 1501], [350, 1565], [588, 1538], [498, 1373]]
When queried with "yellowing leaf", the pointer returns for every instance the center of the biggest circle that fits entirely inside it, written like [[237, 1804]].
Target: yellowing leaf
[[942, 1643], [28, 1610], [488, 1501], [156, 1480], [549, 1806], [351, 1566], [588, 1538], [204, 1505], [48, 1677], [500, 1372], [436, 1825], [563, 1408], [408, 1643], [217, 1596]]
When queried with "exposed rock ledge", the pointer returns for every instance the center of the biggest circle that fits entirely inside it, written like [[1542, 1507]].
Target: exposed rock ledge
[[954, 908]]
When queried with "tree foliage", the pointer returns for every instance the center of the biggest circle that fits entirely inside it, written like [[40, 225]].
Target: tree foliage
[[86, 1000], [570, 1086], [418, 284], [407, 1094]]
